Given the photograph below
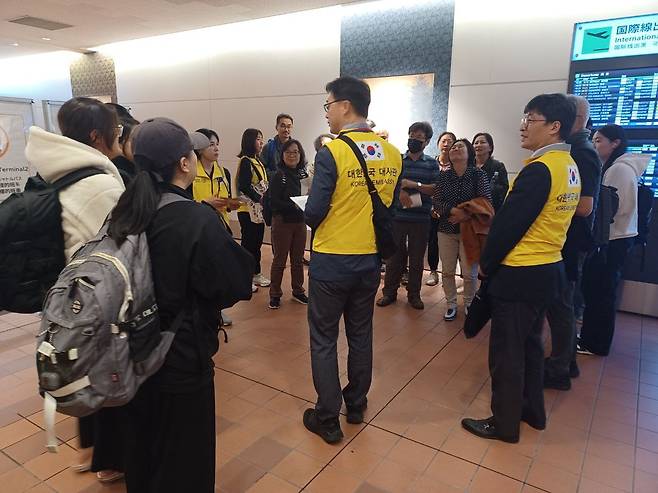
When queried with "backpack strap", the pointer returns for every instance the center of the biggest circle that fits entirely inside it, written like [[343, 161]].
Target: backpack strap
[[169, 198], [75, 176]]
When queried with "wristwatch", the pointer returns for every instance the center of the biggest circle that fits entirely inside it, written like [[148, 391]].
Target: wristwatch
[[419, 184]]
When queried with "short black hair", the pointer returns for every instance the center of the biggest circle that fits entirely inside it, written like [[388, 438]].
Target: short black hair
[[614, 132], [489, 139], [302, 155], [281, 116], [351, 89], [424, 127], [208, 132], [469, 148], [555, 107], [80, 116], [248, 144]]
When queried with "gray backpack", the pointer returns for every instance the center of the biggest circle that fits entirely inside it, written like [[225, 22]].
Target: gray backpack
[[100, 336]]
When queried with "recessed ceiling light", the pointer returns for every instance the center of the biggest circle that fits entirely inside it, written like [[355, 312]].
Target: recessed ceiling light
[[46, 39], [14, 44]]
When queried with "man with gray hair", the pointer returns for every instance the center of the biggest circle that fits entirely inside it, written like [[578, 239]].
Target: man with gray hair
[[561, 366]]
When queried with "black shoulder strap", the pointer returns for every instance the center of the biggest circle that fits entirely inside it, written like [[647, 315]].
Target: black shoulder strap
[[371, 187], [75, 176]]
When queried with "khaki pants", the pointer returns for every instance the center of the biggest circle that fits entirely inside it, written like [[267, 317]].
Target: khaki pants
[[451, 249]]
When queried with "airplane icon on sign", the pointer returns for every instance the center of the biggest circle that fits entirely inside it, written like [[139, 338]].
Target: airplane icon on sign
[[601, 35]]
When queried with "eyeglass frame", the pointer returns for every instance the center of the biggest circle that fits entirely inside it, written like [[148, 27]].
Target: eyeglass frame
[[329, 103], [525, 121]]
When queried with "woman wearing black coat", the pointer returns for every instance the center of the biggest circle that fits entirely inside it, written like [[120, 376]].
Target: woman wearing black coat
[[494, 169]]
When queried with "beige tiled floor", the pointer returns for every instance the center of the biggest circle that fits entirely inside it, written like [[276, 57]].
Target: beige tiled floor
[[602, 436]]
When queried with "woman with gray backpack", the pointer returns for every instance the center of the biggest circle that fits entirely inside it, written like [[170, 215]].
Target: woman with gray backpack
[[197, 269], [90, 133]]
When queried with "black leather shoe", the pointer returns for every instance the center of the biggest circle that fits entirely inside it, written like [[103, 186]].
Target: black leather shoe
[[355, 415], [485, 428], [574, 371], [330, 431], [557, 383], [386, 300], [416, 303]]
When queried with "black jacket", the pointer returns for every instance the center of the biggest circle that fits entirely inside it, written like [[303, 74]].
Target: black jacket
[[579, 237], [199, 269], [520, 210], [127, 169], [286, 183], [501, 186]]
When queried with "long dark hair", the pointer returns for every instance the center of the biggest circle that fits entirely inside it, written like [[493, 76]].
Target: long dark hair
[[248, 145], [79, 117], [488, 138], [470, 161], [139, 203], [614, 132], [302, 155]]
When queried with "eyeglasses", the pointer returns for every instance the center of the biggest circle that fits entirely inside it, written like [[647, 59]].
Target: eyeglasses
[[326, 105], [285, 127], [526, 120], [119, 130]]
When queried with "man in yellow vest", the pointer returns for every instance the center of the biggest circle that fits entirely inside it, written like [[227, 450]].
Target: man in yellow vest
[[522, 263], [344, 272]]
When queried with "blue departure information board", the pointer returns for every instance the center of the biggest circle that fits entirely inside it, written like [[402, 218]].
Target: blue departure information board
[[626, 97]]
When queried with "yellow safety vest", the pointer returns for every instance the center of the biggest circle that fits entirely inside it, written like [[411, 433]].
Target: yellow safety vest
[[205, 187], [347, 229], [543, 242], [255, 178]]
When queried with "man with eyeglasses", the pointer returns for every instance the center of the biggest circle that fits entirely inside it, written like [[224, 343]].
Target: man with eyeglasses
[[345, 267], [271, 155], [522, 262]]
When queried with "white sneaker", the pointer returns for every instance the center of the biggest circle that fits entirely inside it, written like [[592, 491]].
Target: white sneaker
[[226, 320], [261, 281], [451, 314], [254, 288], [433, 279]]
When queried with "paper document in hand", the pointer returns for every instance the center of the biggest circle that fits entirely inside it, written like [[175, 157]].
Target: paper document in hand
[[300, 201]]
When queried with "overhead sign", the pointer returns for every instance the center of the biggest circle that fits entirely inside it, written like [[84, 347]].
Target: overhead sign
[[623, 37]]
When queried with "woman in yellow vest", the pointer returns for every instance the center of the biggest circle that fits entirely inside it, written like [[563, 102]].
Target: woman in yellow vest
[[251, 183], [213, 182]]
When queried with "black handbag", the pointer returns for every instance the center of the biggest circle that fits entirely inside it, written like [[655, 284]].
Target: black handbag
[[382, 217], [479, 313]]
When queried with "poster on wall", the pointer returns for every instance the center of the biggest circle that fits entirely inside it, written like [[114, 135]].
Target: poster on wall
[[398, 101], [14, 169]]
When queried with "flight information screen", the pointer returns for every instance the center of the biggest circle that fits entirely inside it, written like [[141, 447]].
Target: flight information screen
[[650, 176], [626, 97]]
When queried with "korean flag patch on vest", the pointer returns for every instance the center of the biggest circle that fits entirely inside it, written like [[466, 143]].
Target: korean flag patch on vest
[[372, 151], [574, 176]]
